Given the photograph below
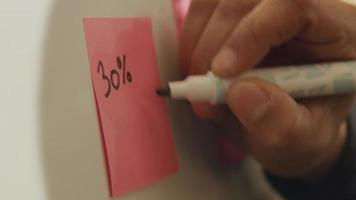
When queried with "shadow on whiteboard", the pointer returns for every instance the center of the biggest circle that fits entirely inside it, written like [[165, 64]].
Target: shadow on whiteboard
[[72, 156]]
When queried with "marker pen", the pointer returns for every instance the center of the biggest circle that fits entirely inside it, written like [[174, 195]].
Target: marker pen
[[299, 81]]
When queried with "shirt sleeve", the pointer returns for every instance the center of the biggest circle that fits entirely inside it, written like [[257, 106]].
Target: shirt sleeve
[[339, 184]]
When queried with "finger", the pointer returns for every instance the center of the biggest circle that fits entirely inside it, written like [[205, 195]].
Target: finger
[[262, 107], [226, 15], [337, 48], [275, 123], [199, 14], [269, 24]]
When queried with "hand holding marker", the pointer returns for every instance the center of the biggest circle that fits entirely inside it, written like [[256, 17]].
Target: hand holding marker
[[298, 143], [299, 81]]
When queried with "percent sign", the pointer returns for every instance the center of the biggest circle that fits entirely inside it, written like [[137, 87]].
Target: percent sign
[[115, 80]]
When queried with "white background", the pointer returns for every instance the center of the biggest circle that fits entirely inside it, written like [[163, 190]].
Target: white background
[[49, 143]]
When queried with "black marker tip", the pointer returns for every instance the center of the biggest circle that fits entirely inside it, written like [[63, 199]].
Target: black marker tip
[[164, 91]]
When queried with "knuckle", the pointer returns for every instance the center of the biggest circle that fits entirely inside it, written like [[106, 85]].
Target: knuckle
[[251, 31], [299, 124], [225, 11]]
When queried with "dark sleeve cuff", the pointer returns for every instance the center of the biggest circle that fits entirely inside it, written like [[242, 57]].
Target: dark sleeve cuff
[[339, 184]]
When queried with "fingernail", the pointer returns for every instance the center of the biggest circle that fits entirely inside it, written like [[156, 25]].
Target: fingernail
[[225, 62], [248, 102]]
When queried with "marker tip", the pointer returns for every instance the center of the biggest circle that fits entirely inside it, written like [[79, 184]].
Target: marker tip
[[164, 91]]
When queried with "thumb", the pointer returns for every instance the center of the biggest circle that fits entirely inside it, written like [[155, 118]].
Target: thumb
[[288, 138], [262, 107], [273, 121]]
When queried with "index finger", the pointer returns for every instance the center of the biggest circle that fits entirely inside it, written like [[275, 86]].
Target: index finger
[[199, 14]]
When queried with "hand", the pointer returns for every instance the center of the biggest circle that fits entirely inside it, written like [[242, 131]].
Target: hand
[[289, 138]]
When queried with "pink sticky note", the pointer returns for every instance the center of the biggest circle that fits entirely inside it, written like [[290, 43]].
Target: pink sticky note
[[134, 126]]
